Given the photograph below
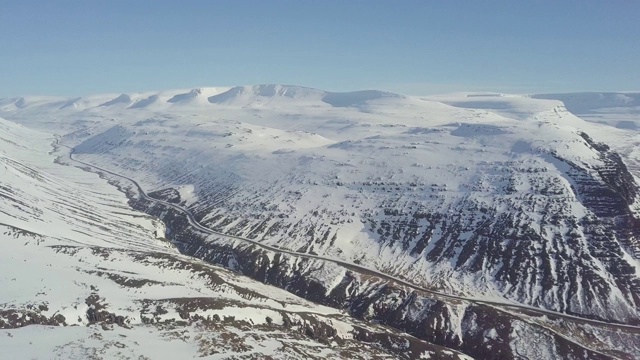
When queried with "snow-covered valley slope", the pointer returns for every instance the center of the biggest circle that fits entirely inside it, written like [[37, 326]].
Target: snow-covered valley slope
[[85, 276], [507, 198]]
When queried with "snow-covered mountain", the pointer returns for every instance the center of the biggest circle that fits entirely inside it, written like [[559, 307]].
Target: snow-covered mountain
[[74, 253], [495, 197]]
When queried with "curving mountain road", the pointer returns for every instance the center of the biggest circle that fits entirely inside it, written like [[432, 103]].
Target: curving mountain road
[[360, 268]]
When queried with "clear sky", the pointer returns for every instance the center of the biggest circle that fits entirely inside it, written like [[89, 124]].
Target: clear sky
[[65, 47]]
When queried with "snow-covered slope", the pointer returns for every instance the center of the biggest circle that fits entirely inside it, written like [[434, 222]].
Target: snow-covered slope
[[501, 197], [74, 253]]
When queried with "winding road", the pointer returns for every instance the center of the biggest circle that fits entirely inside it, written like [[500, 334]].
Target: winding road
[[360, 268]]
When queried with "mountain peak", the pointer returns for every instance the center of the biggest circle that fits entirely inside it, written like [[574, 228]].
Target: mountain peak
[[268, 93], [197, 94], [122, 99]]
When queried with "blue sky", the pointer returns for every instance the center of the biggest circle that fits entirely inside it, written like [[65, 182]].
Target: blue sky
[[73, 48]]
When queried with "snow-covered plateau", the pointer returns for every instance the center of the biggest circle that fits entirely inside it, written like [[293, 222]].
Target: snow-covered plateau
[[490, 225]]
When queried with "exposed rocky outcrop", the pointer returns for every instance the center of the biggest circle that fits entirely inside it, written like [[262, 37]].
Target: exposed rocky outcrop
[[16, 318], [478, 330]]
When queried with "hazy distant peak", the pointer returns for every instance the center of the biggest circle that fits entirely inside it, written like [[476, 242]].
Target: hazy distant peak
[[122, 99], [587, 101], [197, 94], [246, 95], [356, 98], [253, 93]]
